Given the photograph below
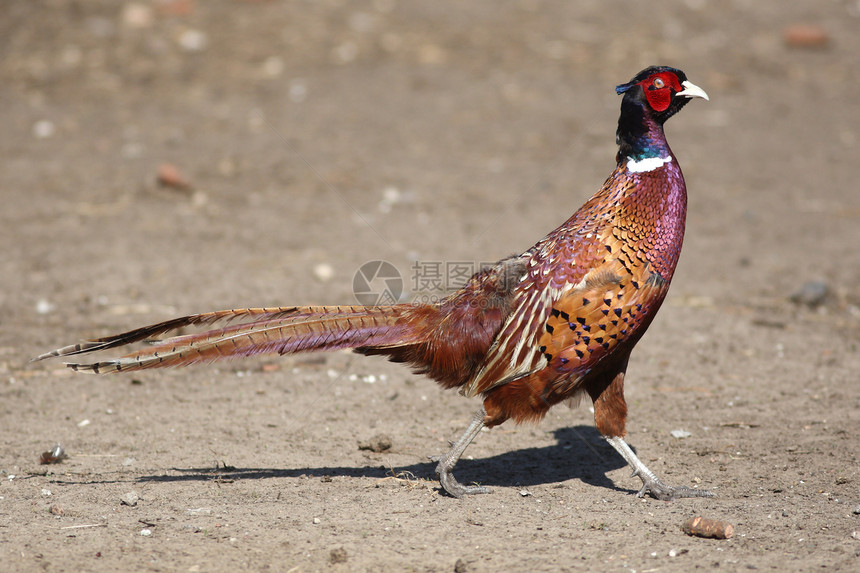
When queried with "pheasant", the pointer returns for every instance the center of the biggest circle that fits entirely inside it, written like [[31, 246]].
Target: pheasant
[[549, 325]]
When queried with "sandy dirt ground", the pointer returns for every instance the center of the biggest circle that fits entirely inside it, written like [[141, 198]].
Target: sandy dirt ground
[[318, 136]]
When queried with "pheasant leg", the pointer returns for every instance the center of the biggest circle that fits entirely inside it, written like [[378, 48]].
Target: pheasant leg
[[449, 460], [650, 484]]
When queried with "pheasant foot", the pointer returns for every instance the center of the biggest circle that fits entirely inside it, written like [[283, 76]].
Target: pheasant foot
[[650, 484]]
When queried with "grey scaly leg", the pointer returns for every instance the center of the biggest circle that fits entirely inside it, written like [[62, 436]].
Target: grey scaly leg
[[449, 460], [650, 483]]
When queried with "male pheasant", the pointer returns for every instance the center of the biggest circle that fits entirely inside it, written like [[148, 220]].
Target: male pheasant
[[536, 329]]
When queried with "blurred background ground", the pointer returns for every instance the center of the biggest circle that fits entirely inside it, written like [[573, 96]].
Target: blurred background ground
[[317, 136]]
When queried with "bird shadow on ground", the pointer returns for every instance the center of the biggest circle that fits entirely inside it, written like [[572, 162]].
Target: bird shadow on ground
[[579, 453]]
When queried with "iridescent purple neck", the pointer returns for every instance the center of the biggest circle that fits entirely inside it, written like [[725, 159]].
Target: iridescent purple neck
[[669, 224]]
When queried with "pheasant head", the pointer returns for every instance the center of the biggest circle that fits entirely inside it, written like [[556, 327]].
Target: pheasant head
[[653, 96]]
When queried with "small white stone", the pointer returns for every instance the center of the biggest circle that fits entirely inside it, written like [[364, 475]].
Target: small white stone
[[199, 198], [317, 521], [525, 492], [324, 272], [346, 52], [44, 128], [137, 15], [298, 91], [192, 40], [83, 423], [46, 492], [44, 306], [273, 67], [130, 499], [146, 532], [391, 194], [680, 434]]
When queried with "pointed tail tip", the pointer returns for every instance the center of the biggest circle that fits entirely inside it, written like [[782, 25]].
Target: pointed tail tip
[[73, 349], [94, 368], [44, 356]]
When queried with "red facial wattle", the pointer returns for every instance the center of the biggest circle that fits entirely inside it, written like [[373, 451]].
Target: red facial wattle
[[659, 88]]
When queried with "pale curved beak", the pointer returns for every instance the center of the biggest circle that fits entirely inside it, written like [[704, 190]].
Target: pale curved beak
[[692, 90]]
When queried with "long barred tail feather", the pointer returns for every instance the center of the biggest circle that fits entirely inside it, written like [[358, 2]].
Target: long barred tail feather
[[282, 330], [172, 325]]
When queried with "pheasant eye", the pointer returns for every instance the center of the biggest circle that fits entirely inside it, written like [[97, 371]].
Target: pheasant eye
[[659, 83]]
